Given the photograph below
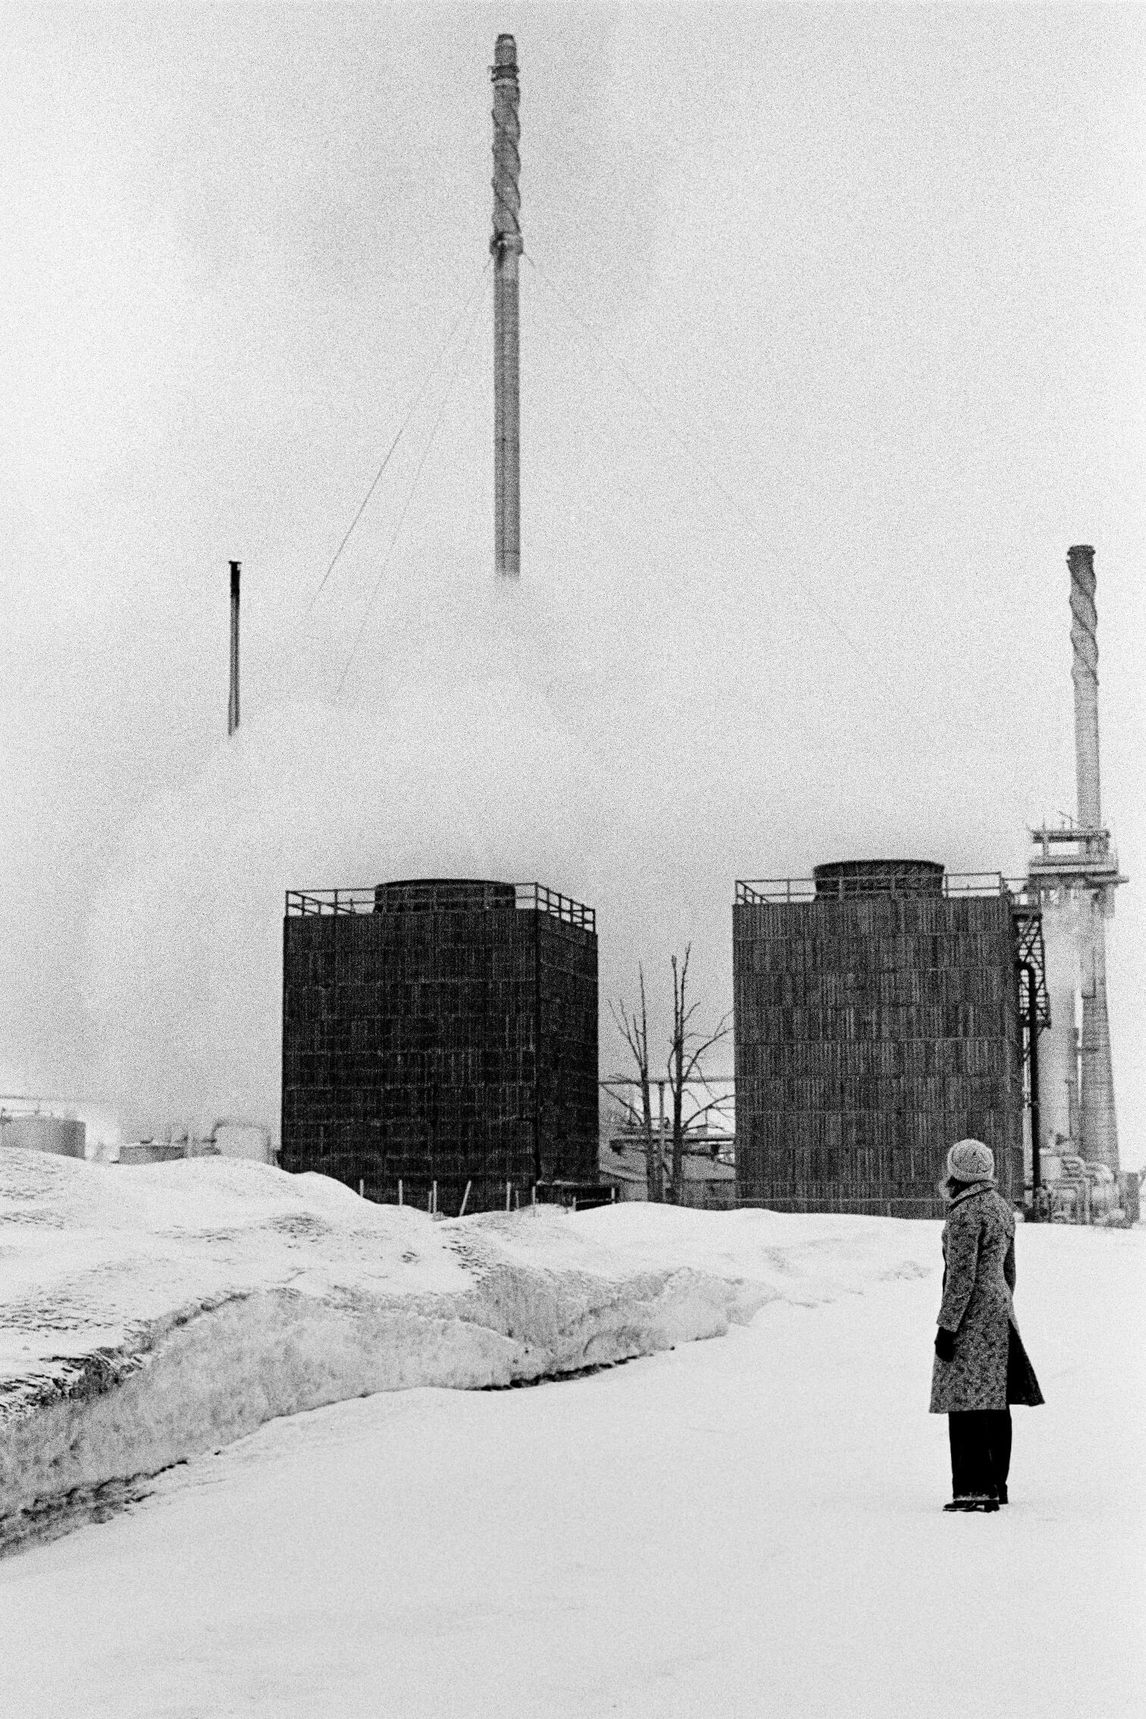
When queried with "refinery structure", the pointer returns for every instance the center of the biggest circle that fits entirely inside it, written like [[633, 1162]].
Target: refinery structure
[[885, 1009], [440, 1035]]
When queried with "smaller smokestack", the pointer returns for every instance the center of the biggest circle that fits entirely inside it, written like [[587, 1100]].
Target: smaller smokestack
[[233, 702], [1084, 673]]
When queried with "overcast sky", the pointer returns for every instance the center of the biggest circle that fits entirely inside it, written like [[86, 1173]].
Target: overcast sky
[[832, 345]]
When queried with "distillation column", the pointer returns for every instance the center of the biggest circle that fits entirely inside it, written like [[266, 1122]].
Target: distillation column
[[506, 247], [1058, 1048]]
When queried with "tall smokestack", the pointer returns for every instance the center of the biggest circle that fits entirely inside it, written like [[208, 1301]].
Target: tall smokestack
[[506, 247], [1098, 1126], [1074, 875], [233, 701], [1084, 673]]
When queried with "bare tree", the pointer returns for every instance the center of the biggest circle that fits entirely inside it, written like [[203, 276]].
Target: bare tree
[[634, 1030], [687, 1051], [688, 1047]]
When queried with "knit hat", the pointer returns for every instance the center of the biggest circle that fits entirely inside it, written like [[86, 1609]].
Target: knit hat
[[971, 1161]]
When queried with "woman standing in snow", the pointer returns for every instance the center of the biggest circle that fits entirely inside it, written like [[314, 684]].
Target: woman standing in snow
[[981, 1366]]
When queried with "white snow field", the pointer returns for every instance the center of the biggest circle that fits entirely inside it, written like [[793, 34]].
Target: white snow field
[[743, 1527], [152, 1313]]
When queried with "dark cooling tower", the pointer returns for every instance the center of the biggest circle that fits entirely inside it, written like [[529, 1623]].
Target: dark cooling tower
[[441, 1030], [877, 1022]]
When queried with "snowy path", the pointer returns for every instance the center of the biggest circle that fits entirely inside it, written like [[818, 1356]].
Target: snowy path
[[747, 1526]]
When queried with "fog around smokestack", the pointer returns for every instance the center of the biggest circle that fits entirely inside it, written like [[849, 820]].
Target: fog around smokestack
[[500, 731], [460, 765], [623, 749]]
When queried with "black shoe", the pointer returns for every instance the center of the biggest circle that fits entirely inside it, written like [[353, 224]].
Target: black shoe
[[974, 1501], [1003, 1499]]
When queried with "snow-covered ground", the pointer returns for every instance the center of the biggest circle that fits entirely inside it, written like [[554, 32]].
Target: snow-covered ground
[[154, 1313], [743, 1527]]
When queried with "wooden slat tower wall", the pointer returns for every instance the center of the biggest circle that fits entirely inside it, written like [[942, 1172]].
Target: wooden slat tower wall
[[871, 1033], [446, 1038]]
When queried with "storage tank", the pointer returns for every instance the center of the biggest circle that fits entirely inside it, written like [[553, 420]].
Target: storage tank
[[842, 878], [64, 1135], [243, 1140], [151, 1152], [438, 894]]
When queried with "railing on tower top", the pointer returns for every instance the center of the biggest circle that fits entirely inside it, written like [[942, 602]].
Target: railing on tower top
[[442, 896], [760, 891]]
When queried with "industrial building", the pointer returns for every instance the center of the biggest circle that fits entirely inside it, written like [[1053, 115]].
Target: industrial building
[[709, 1165], [440, 1042], [881, 1014]]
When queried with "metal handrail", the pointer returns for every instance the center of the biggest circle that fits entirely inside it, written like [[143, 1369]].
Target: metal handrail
[[441, 897], [761, 891]]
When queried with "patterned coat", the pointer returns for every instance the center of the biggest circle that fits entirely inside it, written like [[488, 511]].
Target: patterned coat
[[978, 1277]]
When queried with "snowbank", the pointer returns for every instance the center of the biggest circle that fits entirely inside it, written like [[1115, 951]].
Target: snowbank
[[738, 1528], [152, 1313]]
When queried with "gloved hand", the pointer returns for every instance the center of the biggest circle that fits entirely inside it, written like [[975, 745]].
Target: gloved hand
[[945, 1344]]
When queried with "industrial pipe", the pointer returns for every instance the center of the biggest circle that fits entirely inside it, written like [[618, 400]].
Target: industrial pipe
[[1033, 1080]]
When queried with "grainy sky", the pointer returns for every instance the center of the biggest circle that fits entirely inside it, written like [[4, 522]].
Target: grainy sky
[[832, 345]]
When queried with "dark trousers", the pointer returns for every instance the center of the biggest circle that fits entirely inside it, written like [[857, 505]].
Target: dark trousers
[[980, 1452]]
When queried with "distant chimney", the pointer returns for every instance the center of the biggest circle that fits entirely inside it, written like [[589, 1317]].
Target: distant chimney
[[233, 702], [1084, 673], [1074, 875], [506, 247], [1098, 1127]]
